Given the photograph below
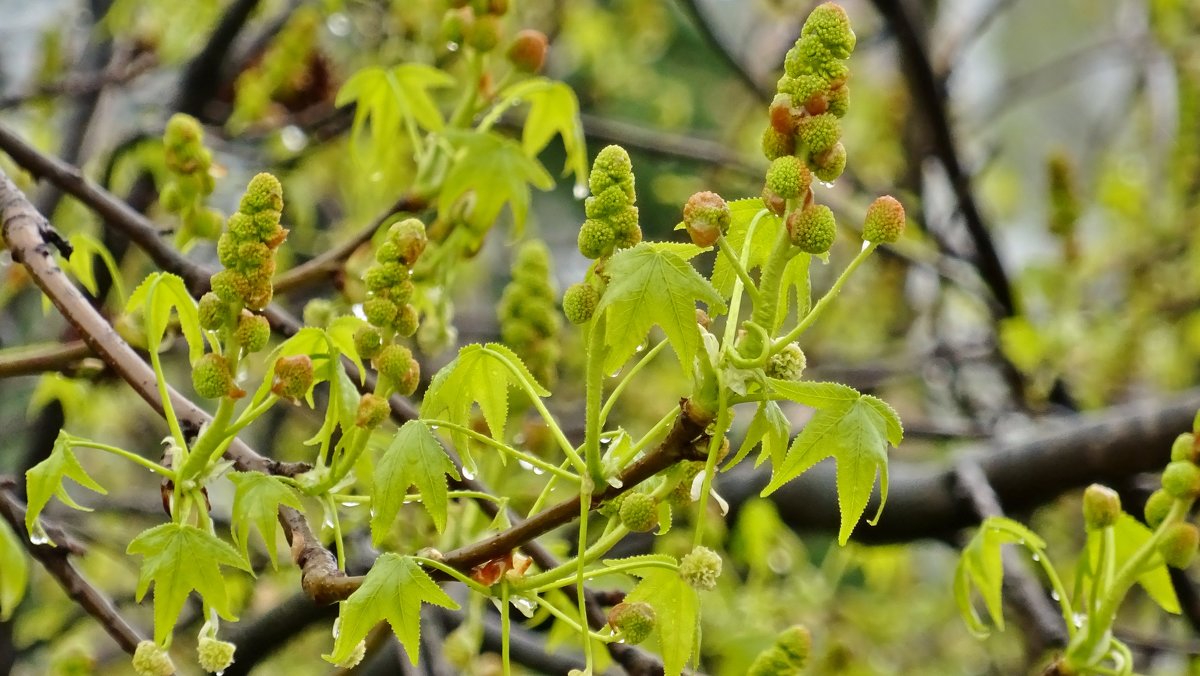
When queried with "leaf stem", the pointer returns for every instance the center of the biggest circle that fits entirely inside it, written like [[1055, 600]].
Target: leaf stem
[[815, 313], [456, 574], [594, 390], [625, 380], [540, 406], [78, 442], [516, 453], [726, 250]]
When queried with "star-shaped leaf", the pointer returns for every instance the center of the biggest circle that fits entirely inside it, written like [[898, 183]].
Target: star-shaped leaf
[[393, 590], [676, 611], [981, 565], [414, 458], [15, 566], [855, 430], [179, 558], [45, 480], [156, 297], [256, 501], [480, 374], [649, 286], [770, 428], [553, 111], [490, 171]]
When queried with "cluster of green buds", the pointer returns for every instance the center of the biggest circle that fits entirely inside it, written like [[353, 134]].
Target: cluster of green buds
[[1180, 481], [390, 315], [529, 321], [701, 568], [611, 224], [478, 25], [190, 181], [247, 250], [282, 71], [813, 94], [788, 655]]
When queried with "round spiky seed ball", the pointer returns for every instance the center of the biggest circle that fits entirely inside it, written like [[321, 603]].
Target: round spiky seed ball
[[211, 377], [1101, 507], [527, 53], [293, 376], [796, 642], [406, 320], [1158, 505], [1181, 480], [772, 662], [819, 133], [813, 229], [380, 311], [1178, 545], [829, 24], [636, 620], [701, 568], [595, 238], [776, 144], [788, 177], [367, 341], [409, 238], [393, 362], [318, 312], [579, 302], [788, 363], [253, 331], [214, 656], [639, 512], [829, 165], [372, 410], [263, 193], [213, 311], [151, 659], [706, 216], [885, 220]]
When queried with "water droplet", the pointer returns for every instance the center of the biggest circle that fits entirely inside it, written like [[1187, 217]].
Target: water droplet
[[525, 465], [376, 177], [38, 536], [614, 374], [433, 428], [639, 348], [1077, 620], [467, 474], [293, 138], [1054, 596], [580, 191], [615, 482], [328, 521], [1036, 558], [338, 24], [351, 503], [526, 606], [538, 471], [451, 46], [357, 309], [827, 184], [337, 628]]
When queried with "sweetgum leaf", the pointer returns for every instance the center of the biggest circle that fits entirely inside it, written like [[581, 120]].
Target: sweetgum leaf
[[15, 578], [981, 565], [1130, 534], [393, 590], [45, 479], [414, 458], [256, 501], [652, 285], [156, 296], [491, 171], [480, 374], [179, 558], [553, 111], [770, 428], [677, 614], [855, 430]]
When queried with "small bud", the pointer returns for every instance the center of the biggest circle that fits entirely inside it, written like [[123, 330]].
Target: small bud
[[406, 320], [318, 312], [393, 362], [706, 216], [1181, 480], [595, 239], [368, 341], [776, 145], [579, 302], [639, 512], [788, 177], [410, 239], [457, 24], [407, 385], [635, 620], [813, 229], [151, 659], [828, 23], [211, 377], [884, 221], [788, 363], [773, 202], [1158, 505], [380, 311], [1178, 545], [263, 193], [701, 568], [170, 198], [839, 101], [182, 129], [207, 223], [1101, 507], [829, 165], [612, 166], [230, 286], [214, 656], [527, 53], [213, 311], [780, 114], [372, 410], [253, 331], [610, 202], [1183, 449], [703, 319], [486, 33], [796, 643], [818, 133], [382, 276], [772, 662], [293, 376]]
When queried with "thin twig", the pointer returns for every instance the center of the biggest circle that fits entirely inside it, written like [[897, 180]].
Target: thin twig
[[53, 357]]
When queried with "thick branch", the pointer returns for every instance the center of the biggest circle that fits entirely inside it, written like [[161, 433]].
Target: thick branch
[[922, 502]]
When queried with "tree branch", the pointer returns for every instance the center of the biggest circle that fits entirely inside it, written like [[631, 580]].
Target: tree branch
[[40, 359]]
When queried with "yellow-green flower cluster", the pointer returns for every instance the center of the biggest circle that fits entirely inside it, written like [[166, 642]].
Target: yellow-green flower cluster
[[635, 620], [529, 322], [189, 182], [247, 247], [388, 280], [788, 655], [476, 23], [813, 94], [612, 218], [282, 70]]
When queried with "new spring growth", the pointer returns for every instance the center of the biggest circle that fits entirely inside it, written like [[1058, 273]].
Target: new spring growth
[[788, 363], [529, 321], [388, 285], [812, 95], [639, 512], [247, 250], [396, 365], [812, 229], [189, 181], [884, 222], [214, 655], [1158, 506], [634, 620], [293, 377], [476, 23], [1101, 507], [612, 218], [579, 302], [151, 659], [788, 655], [1178, 545], [701, 568], [527, 52], [213, 379], [706, 217]]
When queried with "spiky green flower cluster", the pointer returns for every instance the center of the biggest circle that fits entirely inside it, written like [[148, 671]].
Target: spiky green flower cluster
[[639, 512], [612, 218], [151, 659], [701, 568], [885, 220], [214, 655], [247, 250], [812, 229], [189, 182], [788, 363], [579, 302], [812, 95], [529, 321], [635, 620], [788, 655], [397, 368], [282, 71], [387, 306], [706, 217]]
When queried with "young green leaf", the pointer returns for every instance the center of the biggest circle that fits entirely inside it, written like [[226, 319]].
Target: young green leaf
[[179, 558], [256, 501], [1130, 534], [341, 334], [653, 286], [554, 110], [854, 431], [156, 296], [393, 590], [14, 571], [677, 612], [492, 170], [769, 427], [480, 374], [45, 479], [81, 263], [742, 212], [384, 98], [981, 565], [414, 458]]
